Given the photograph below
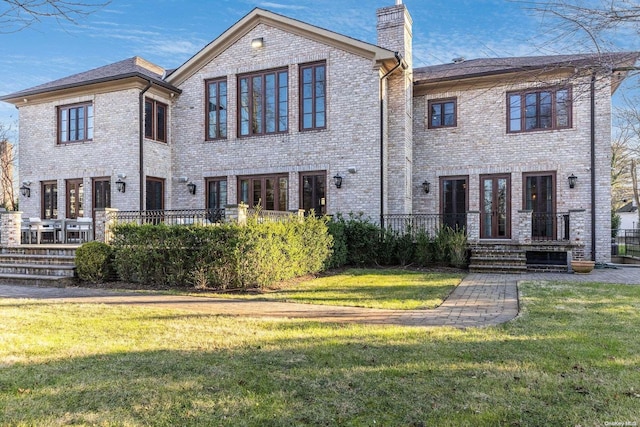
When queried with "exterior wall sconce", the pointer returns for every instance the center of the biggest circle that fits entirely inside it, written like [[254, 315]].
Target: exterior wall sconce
[[25, 190], [572, 180], [426, 186], [257, 43], [121, 185], [191, 187], [337, 180]]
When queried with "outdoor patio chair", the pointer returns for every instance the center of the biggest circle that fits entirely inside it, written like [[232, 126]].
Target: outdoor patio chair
[[35, 228], [79, 230]]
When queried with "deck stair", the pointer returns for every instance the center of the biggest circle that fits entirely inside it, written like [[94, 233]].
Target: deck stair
[[511, 257], [40, 265]]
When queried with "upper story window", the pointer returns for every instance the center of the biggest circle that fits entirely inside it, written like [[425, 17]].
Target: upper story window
[[155, 120], [216, 109], [313, 83], [75, 123], [264, 103], [442, 113], [539, 110]]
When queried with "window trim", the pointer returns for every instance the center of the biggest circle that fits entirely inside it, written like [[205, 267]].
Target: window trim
[[88, 122], [154, 119], [554, 116], [216, 81], [442, 101], [301, 68], [250, 76]]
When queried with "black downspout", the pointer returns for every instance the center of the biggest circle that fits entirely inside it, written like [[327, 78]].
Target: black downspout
[[141, 155], [593, 166], [399, 59]]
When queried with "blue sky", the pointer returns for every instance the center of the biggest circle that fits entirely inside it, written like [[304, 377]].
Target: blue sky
[[168, 32]]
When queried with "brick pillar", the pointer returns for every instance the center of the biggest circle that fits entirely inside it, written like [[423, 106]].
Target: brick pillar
[[577, 223], [10, 233], [524, 226], [236, 213], [104, 223], [473, 226]]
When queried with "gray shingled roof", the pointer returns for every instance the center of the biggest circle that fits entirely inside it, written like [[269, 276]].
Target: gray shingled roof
[[492, 66], [628, 208], [131, 67]]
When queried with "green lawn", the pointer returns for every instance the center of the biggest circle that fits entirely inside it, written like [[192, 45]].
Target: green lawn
[[372, 288], [570, 359]]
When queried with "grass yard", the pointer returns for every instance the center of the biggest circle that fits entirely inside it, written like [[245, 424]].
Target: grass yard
[[572, 358], [372, 288]]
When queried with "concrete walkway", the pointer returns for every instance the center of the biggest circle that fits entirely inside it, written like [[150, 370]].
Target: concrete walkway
[[480, 300]]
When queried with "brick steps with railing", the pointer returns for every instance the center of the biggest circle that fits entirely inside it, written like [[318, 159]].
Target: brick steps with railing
[[38, 265]]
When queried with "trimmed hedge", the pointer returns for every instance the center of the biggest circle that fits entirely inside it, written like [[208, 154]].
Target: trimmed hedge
[[261, 252], [367, 244], [94, 262], [225, 256]]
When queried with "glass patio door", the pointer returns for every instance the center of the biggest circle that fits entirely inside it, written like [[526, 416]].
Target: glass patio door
[[75, 198], [313, 193], [495, 201]]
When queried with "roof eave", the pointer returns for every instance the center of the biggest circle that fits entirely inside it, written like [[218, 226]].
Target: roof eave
[[18, 97]]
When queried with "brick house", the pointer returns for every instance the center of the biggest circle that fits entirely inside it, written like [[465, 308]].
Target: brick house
[[265, 115]]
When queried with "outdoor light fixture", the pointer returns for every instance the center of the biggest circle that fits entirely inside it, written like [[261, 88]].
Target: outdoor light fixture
[[572, 180], [337, 180], [25, 190], [191, 187], [426, 186], [257, 43], [121, 185]]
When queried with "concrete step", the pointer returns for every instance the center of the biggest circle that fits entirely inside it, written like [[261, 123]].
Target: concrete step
[[65, 270], [497, 268], [36, 280], [36, 259]]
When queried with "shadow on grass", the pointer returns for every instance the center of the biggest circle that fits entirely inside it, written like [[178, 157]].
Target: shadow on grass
[[569, 359]]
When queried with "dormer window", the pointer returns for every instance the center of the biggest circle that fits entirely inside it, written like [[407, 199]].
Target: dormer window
[[75, 123]]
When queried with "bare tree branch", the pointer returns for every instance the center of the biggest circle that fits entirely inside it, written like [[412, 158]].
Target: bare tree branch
[[15, 15], [596, 20], [7, 169]]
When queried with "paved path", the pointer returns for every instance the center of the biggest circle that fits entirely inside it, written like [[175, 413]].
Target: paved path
[[480, 300]]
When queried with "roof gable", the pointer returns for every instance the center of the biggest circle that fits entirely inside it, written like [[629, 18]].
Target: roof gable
[[260, 16]]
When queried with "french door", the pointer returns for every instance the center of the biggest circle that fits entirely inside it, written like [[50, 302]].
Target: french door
[[495, 207], [539, 197], [155, 194], [75, 198], [453, 203], [313, 193]]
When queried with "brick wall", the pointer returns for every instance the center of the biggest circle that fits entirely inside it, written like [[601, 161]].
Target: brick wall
[[113, 150], [480, 145], [351, 139]]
